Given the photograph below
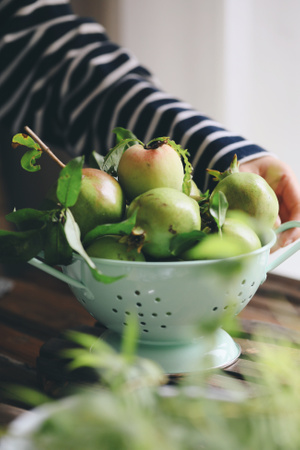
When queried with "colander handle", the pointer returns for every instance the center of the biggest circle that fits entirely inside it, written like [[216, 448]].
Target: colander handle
[[288, 252], [61, 276]]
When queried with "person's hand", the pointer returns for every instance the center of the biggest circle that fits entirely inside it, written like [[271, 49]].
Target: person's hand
[[284, 182]]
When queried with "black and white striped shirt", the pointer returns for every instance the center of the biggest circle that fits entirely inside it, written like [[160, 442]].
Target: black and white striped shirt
[[62, 76]]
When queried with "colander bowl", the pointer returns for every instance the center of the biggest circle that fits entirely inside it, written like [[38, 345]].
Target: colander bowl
[[173, 301]]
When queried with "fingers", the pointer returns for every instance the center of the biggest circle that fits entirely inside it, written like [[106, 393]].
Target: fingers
[[288, 237]]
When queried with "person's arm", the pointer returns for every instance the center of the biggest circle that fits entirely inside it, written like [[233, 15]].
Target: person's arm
[[62, 76]]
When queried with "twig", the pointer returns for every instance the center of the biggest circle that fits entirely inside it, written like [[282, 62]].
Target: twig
[[43, 146]]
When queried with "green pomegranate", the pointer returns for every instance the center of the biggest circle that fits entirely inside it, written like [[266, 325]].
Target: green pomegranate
[[113, 247], [215, 246], [143, 168], [248, 192], [101, 200], [237, 238], [242, 233], [163, 213]]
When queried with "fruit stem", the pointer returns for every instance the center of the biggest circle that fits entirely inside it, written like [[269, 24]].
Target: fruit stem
[[155, 143], [219, 176], [43, 146]]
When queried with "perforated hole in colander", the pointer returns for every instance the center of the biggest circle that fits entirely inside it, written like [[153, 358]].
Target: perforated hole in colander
[[141, 304]]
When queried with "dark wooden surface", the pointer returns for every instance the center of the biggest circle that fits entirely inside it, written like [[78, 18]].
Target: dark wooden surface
[[36, 310]]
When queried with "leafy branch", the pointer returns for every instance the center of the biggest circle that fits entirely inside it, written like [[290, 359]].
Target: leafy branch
[[36, 146], [54, 232]]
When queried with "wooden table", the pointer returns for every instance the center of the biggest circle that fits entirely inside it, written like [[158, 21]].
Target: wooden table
[[36, 309]]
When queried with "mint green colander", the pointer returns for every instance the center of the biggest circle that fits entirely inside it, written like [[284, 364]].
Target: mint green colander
[[173, 302]]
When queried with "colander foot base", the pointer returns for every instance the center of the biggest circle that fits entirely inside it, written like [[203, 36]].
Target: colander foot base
[[199, 354]]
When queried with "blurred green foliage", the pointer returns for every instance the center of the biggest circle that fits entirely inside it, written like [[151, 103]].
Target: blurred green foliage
[[132, 407]]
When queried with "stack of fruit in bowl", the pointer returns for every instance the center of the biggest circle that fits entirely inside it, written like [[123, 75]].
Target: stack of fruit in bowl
[[138, 203]]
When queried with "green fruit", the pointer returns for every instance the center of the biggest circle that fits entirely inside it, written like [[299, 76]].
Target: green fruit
[[141, 169], [237, 238], [250, 192], [101, 200], [163, 213], [215, 246], [242, 233], [110, 247]]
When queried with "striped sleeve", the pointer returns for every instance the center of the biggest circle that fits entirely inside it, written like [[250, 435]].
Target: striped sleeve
[[62, 76]]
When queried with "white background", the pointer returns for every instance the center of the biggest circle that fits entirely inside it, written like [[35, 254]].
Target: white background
[[235, 60]]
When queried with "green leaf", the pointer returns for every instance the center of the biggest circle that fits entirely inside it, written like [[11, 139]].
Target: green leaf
[[121, 228], [72, 232], [28, 218], [123, 133], [23, 140], [218, 208], [130, 338], [96, 160], [28, 161], [125, 139], [182, 242], [29, 396], [69, 182], [56, 249], [20, 246], [112, 159]]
